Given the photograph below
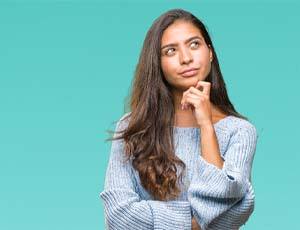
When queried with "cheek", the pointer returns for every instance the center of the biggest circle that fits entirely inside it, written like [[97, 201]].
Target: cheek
[[168, 66], [202, 57]]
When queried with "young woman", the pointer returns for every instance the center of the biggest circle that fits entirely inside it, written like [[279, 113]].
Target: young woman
[[184, 156]]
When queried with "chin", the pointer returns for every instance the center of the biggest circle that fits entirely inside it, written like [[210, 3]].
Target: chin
[[192, 80]]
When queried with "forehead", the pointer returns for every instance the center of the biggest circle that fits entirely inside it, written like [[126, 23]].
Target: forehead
[[179, 31]]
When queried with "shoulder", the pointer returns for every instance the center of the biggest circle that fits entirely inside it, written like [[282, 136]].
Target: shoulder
[[233, 125], [124, 118], [123, 121], [239, 126], [242, 124]]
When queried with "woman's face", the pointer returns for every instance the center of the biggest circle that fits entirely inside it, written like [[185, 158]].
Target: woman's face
[[183, 47]]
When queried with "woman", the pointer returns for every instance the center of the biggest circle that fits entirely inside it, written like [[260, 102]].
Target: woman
[[184, 156]]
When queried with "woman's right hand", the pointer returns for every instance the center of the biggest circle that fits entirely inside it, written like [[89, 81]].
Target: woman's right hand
[[195, 225]]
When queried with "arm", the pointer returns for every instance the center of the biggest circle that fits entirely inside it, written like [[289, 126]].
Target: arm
[[214, 190], [195, 225], [209, 145], [237, 215], [124, 208]]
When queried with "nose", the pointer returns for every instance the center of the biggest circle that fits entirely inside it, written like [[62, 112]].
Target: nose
[[185, 57]]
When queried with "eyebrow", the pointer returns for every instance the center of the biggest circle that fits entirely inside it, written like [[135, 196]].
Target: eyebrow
[[186, 41]]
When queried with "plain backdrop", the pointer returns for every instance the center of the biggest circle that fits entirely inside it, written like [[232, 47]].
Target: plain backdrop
[[66, 68]]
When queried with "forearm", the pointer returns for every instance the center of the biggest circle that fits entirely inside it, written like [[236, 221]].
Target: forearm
[[209, 146], [195, 225]]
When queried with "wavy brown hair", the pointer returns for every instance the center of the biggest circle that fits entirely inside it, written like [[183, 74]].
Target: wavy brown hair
[[148, 135]]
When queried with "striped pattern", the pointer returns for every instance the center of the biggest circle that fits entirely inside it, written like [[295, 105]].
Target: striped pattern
[[217, 198]]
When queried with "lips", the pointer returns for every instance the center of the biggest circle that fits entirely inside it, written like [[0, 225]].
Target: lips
[[189, 72]]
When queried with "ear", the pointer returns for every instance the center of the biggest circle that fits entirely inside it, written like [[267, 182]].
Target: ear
[[210, 52]]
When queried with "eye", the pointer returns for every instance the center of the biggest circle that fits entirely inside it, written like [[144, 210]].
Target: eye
[[167, 51], [196, 42]]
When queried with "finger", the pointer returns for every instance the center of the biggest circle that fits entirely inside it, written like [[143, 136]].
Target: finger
[[195, 91], [192, 90], [192, 101], [200, 99], [199, 86], [205, 85], [199, 95], [184, 103], [192, 96]]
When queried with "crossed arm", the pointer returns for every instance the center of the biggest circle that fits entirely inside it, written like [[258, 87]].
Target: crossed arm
[[217, 197]]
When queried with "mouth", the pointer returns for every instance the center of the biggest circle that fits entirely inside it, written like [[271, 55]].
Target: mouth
[[189, 72]]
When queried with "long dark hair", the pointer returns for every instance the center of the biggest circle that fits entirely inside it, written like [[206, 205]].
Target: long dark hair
[[148, 135]]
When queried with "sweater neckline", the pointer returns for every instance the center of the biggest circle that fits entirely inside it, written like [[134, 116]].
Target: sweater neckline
[[219, 122]]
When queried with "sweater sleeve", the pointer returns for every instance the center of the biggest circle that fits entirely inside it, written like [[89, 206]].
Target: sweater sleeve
[[124, 209], [237, 215], [215, 191]]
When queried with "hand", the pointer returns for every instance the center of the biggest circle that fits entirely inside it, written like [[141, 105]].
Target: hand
[[195, 225], [199, 102]]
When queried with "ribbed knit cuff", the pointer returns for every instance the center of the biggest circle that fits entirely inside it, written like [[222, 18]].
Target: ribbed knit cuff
[[171, 215], [227, 182]]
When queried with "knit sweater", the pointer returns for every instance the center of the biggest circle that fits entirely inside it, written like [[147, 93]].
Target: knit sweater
[[219, 199]]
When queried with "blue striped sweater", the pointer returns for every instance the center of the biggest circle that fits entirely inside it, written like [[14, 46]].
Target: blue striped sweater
[[217, 198]]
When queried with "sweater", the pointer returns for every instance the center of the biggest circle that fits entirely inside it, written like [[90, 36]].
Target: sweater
[[219, 199]]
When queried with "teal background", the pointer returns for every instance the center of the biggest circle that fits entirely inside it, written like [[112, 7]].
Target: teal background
[[66, 68]]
